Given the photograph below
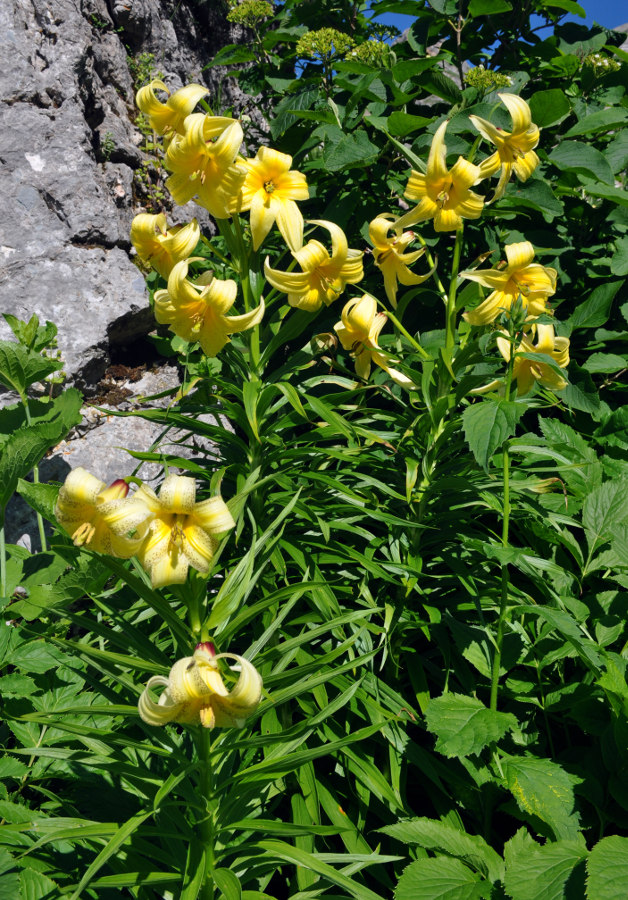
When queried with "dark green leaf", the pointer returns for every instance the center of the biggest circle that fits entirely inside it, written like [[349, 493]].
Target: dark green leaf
[[578, 157], [440, 879], [608, 869], [488, 424], [489, 7], [463, 725], [549, 107], [537, 871], [543, 789], [604, 120], [596, 308]]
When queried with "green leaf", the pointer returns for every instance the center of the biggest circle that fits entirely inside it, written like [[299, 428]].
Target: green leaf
[[488, 424], [604, 120], [549, 107], [37, 886], [440, 879], [578, 157], [401, 124], [607, 868], [299, 857], [21, 452], [537, 871], [596, 309], [284, 119], [617, 152], [232, 54], [595, 189], [543, 789], [604, 508], [20, 367], [41, 497], [463, 725], [581, 392], [349, 151], [436, 82], [443, 836], [569, 6], [229, 884], [537, 194], [489, 7], [605, 363], [619, 260]]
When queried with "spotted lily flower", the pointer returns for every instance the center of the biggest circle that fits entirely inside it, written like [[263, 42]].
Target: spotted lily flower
[[200, 159], [269, 191], [195, 694], [323, 277], [520, 278], [198, 312], [358, 332], [99, 517], [443, 194], [528, 372], [390, 256], [168, 116], [182, 532], [160, 247], [515, 149]]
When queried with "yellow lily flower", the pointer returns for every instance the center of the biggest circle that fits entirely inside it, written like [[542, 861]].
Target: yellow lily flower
[[162, 248], [195, 694], [443, 193], [521, 277], [358, 332], [198, 312], [526, 371], [182, 532], [199, 160], [100, 517], [324, 277], [269, 191], [168, 116], [390, 256], [515, 149]]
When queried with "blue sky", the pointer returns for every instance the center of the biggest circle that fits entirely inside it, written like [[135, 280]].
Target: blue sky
[[609, 13]]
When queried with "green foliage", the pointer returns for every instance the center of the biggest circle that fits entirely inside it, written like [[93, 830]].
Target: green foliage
[[431, 580]]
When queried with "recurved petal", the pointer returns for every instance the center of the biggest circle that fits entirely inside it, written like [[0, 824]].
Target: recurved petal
[[181, 188], [471, 207], [525, 165], [199, 547], [426, 209], [126, 516], [447, 220], [292, 186], [157, 713], [181, 290], [185, 99], [504, 178], [227, 145], [289, 221], [144, 230], [171, 568], [220, 295], [358, 316], [340, 247], [178, 494], [519, 112], [235, 324], [519, 255], [379, 228], [464, 174], [213, 515], [488, 131], [148, 497], [311, 256], [213, 335], [182, 241], [545, 338], [363, 363], [286, 282], [416, 188], [352, 269], [437, 160], [490, 165], [274, 162], [243, 699], [488, 311]]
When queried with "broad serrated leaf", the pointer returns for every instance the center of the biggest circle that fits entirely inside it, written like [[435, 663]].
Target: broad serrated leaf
[[607, 869], [463, 725], [21, 452], [543, 871], [432, 834], [542, 788], [604, 508], [440, 879], [20, 367], [41, 497], [349, 151], [579, 157], [488, 424]]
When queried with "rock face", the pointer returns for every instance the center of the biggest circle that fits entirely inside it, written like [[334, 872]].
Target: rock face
[[70, 154]]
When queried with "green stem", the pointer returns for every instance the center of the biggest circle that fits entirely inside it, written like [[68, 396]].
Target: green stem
[[393, 318], [40, 520], [430, 261], [450, 315], [249, 299], [505, 580], [206, 823], [3, 557]]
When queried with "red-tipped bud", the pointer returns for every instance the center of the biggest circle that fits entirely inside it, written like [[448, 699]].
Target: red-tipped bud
[[207, 647], [117, 490]]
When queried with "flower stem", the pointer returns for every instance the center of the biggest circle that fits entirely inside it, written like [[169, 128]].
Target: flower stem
[[393, 318], [40, 521], [505, 580], [3, 557], [450, 314], [206, 823]]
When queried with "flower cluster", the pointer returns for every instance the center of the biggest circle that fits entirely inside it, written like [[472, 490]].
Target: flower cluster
[[249, 12], [168, 532], [324, 44]]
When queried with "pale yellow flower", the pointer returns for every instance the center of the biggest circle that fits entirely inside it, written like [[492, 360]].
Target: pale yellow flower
[[168, 116], [99, 517], [160, 247], [520, 278], [198, 312], [323, 277], [515, 149], [200, 159], [528, 372], [195, 694], [182, 532], [390, 256], [358, 332], [443, 194], [269, 191]]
